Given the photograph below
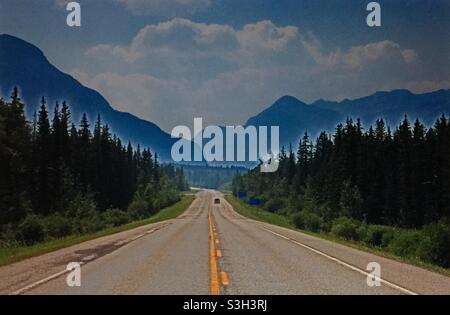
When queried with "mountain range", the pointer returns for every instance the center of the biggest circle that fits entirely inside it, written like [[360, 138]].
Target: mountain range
[[25, 66], [295, 117]]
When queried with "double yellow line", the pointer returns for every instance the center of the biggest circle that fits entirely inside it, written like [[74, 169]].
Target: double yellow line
[[213, 254]]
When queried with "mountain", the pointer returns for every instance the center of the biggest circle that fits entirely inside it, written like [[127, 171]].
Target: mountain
[[295, 117], [25, 66]]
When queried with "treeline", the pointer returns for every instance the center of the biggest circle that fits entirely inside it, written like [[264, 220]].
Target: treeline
[[211, 177], [79, 177], [357, 178]]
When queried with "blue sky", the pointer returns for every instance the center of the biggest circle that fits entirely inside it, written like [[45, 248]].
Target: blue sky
[[225, 60]]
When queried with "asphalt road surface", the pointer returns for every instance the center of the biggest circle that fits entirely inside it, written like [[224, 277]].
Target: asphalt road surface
[[211, 249]]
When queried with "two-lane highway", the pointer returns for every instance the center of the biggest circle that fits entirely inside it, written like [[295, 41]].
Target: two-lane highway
[[211, 249]]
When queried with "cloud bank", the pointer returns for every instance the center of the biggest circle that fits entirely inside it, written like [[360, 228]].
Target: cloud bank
[[179, 69]]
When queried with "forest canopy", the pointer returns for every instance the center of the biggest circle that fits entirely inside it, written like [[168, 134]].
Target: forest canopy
[[58, 178], [380, 187]]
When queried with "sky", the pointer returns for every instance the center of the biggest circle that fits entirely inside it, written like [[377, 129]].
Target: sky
[[169, 61]]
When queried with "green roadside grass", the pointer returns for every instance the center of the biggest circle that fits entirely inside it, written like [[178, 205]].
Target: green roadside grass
[[258, 214], [9, 255]]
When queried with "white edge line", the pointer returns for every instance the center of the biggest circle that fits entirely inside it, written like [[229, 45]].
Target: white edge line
[[42, 281], [59, 274], [393, 285]]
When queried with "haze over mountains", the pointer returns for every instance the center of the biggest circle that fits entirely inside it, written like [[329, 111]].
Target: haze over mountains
[[24, 65], [295, 117]]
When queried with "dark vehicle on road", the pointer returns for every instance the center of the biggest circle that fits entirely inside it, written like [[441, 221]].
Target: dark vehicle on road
[[216, 201]]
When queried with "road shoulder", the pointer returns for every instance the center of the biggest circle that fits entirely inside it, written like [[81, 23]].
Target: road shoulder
[[21, 274], [411, 277]]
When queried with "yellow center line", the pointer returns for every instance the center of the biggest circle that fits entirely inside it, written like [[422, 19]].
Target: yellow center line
[[224, 277], [215, 287]]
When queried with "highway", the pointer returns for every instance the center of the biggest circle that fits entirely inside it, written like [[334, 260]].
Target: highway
[[211, 249]]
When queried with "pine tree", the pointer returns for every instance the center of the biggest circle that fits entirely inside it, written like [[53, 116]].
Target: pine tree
[[419, 175], [57, 165], [403, 140], [304, 159], [65, 123], [84, 161], [47, 167], [43, 197]]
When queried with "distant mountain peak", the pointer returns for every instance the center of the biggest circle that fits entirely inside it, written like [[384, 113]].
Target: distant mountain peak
[[295, 117], [288, 100], [25, 66], [19, 48]]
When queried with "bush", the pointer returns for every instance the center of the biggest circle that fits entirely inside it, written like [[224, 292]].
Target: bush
[[92, 224], [31, 230], [307, 220], [346, 228], [116, 217], [405, 243], [325, 226], [164, 199], [8, 236], [378, 235], [435, 245], [58, 226], [139, 209], [82, 206], [273, 205], [85, 217], [361, 231]]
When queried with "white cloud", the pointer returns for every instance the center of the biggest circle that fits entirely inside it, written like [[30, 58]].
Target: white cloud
[[182, 42], [142, 95], [226, 75], [357, 57], [266, 35], [181, 38], [223, 100]]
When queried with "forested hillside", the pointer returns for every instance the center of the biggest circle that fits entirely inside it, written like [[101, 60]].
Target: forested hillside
[[212, 177], [365, 185], [58, 178]]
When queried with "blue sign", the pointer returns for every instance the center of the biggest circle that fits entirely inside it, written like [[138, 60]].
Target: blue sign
[[255, 201], [242, 194]]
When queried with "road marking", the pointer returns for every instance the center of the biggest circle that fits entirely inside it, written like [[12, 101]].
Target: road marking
[[361, 271], [84, 261], [89, 258], [217, 241], [215, 288], [219, 253], [40, 282], [224, 277], [137, 237]]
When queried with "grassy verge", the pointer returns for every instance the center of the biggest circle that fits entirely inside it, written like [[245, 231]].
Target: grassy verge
[[13, 254], [258, 214]]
